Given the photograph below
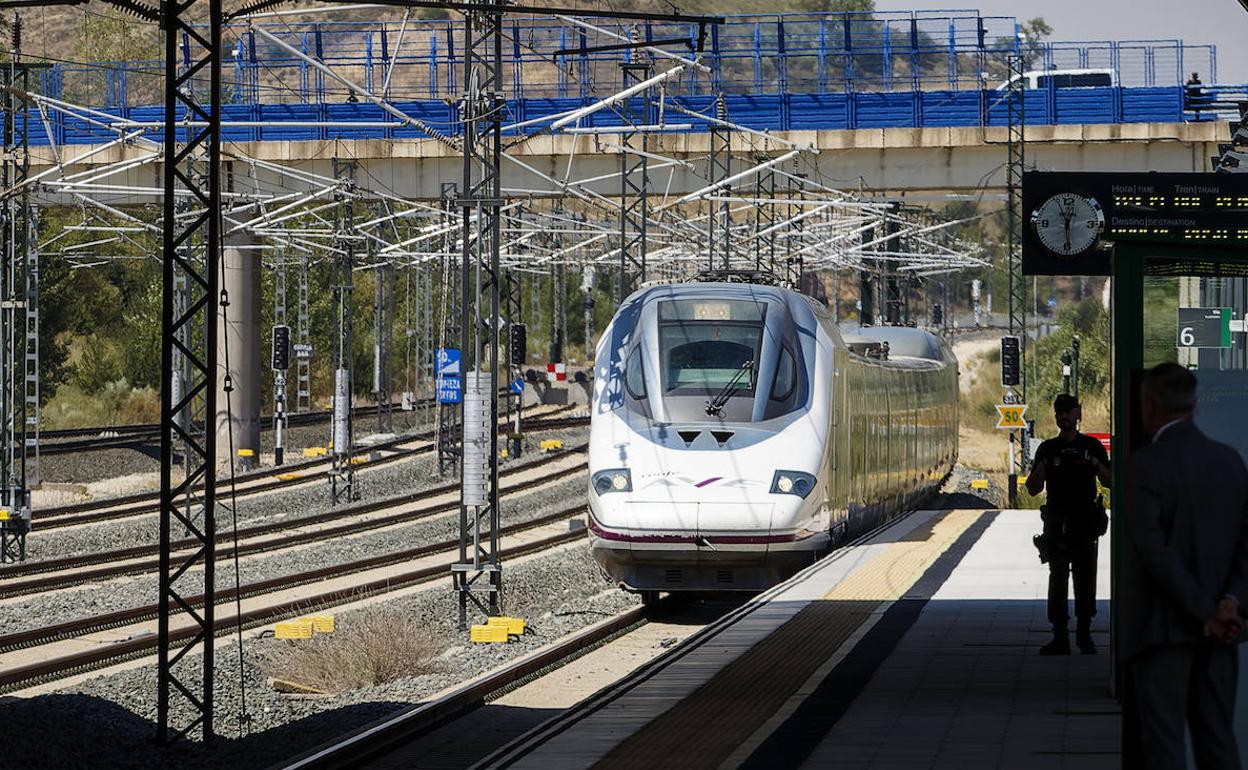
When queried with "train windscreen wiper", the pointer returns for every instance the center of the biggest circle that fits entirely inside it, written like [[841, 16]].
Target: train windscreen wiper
[[716, 405]]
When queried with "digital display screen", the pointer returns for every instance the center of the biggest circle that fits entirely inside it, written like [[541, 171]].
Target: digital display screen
[[711, 310], [1176, 211], [1206, 210]]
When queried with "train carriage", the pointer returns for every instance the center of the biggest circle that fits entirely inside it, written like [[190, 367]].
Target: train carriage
[[737, 434]]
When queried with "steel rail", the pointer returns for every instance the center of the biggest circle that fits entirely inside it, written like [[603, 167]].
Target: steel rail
[[258, 482], [65, 665], [11, 587]]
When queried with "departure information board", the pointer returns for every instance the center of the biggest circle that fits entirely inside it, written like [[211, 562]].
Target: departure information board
[[1071, 219]]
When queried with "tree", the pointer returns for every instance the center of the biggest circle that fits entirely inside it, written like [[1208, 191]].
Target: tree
[[108, 38], [1033, 36]]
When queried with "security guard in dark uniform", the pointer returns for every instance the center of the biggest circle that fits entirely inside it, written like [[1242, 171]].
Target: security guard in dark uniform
[[1073, 516]]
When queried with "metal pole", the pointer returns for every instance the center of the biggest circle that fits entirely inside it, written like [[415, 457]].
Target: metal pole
[[381, 349], [342, 474], [279, 375], [1074, 367]]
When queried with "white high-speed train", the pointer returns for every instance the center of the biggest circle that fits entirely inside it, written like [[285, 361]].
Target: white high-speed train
[[737, 434]]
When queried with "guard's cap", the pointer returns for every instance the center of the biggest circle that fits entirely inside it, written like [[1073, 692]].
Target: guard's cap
[[1065, 402]]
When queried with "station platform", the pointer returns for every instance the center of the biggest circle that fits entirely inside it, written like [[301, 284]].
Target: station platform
[[915, 647]]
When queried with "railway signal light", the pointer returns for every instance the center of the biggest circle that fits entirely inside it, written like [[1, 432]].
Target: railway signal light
[[1011, 359], [519, 339], [281, 347]]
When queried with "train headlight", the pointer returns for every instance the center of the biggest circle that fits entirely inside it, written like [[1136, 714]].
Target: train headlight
[[613, 480], [792, 483]]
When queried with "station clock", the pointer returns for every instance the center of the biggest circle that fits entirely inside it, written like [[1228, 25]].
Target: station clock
[[1068, 224]]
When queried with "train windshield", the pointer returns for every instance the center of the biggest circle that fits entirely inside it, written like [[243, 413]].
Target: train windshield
[[707, 346]]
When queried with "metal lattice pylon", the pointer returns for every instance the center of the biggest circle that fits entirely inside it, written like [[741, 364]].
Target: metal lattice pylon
[[634, 180], [719, 168], [1016, 142], [479, 570], [303, 342], [19, 364], [765, 218], [448, 432], [191, 253]]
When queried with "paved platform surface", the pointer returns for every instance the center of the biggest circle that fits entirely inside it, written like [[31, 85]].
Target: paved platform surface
[[917, 648]]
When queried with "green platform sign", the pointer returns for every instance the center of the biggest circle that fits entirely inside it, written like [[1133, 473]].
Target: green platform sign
[[1204, 327]]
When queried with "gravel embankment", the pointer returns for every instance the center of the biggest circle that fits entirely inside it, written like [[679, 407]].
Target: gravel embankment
[[99, 465], [385, 481], [125, 593], [108, 721]]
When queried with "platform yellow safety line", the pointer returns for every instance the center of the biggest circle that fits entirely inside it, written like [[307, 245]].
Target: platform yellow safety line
[[905, 561], [736, 709]]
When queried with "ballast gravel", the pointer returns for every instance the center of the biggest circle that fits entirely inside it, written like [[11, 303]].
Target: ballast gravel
[[108, 722], [395, 478], [140, 590]]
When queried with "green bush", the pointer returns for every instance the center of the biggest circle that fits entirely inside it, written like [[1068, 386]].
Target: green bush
[[1089, 321]]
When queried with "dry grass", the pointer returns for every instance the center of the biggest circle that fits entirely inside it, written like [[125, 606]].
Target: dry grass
[[116, 404], [372, 646]]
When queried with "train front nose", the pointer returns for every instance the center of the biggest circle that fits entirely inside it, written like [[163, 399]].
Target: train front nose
[[708, 533]]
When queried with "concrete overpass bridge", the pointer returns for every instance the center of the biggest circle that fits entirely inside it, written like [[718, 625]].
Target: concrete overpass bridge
[[886, 103], [869, 160]]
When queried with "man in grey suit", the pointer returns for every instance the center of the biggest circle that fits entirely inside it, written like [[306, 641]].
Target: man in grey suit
[[1185, 569]]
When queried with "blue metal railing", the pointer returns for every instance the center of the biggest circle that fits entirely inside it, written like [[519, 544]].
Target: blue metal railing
[[790, 53], [778, 72]]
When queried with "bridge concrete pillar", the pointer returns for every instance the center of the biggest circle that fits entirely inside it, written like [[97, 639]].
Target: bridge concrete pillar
[[238, 332]]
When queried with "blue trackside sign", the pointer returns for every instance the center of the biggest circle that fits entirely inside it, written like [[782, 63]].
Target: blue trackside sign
[[449, 382]]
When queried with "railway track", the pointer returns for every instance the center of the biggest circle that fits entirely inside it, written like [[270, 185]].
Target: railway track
[[137, 436], [408, 726], [70, 440], [56, 574], [263, 481], [46, 654]]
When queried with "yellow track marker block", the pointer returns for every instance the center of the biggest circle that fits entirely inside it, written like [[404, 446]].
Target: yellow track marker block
[[288, 476], [315, 451], [246, 453], [4, 514], [513, 625], [502, 453], [550, 444], [321, 624], [979, 483], [359, 460], [489, 634], [293, 629]]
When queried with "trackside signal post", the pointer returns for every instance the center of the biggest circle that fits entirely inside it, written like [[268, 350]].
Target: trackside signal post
[[1171, 243], [281, 363]]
